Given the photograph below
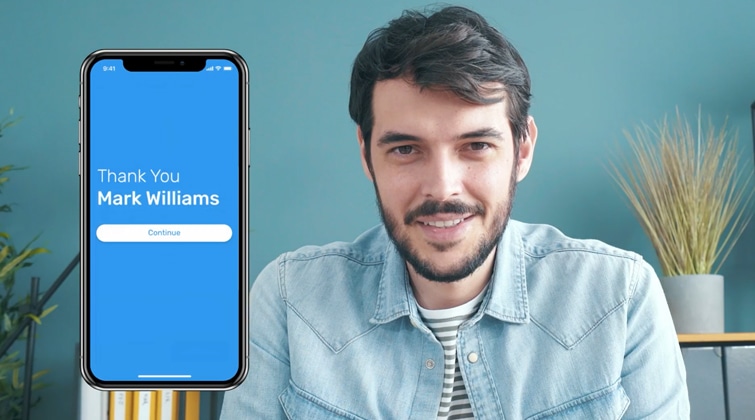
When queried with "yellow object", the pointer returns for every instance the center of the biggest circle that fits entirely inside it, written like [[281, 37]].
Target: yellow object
[[121, 404], [191, 405]]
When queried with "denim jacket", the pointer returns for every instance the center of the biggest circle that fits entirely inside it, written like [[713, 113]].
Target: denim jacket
[[569, 329]]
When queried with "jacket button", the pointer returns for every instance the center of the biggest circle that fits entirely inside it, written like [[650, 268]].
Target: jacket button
[[429, 363], [472, 357]]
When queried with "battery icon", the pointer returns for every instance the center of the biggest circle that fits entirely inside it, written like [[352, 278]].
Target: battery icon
[[227, 68]]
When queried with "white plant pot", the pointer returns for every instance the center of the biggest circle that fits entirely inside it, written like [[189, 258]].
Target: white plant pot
[[696, 302]]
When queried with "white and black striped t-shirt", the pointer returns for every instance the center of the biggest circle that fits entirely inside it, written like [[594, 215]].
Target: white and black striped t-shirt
[[444, 323]]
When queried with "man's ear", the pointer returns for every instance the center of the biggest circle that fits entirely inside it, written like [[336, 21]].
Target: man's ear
[[526, 150], [363, 154]]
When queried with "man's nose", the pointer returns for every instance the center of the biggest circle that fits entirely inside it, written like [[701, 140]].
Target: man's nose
[[442, 178]]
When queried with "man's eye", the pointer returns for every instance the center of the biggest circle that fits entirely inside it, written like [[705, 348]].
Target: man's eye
[[404, 150], [479, 146]]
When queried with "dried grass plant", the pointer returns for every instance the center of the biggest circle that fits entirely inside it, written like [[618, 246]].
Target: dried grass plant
[[689, 191]]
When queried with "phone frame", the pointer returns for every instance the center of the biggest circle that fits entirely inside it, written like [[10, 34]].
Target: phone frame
[[84, 200]]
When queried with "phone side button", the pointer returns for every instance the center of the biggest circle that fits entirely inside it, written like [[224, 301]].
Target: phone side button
[[79, 154]]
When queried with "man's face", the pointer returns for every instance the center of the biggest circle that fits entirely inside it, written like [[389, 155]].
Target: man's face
[[445, 173]]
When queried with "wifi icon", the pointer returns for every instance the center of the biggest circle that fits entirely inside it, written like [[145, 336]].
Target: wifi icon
[[217, 67]]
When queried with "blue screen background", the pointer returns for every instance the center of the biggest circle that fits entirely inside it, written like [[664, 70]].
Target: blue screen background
[[165, 308]]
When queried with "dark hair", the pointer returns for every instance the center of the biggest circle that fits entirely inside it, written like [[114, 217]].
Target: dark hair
[[453, 49]]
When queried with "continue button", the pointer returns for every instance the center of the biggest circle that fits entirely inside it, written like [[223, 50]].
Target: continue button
[[164, 233]]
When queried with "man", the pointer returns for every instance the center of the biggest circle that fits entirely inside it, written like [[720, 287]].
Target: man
[[449, 309]]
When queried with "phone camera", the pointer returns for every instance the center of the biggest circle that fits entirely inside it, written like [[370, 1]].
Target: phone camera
[[181, 62]]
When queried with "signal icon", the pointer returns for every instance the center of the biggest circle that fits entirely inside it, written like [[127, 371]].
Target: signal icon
[[217, 67], [210, 68]]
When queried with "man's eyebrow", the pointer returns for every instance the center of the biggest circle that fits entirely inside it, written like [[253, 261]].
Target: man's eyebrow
[[483, 133], [395, 137]]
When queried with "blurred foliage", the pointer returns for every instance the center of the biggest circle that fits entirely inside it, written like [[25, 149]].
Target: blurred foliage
[[13, 310]]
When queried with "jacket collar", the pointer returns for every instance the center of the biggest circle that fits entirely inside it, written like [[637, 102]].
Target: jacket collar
[[506, 298]]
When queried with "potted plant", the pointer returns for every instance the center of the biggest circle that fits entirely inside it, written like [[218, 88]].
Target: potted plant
[[13, 309], [691, 195]]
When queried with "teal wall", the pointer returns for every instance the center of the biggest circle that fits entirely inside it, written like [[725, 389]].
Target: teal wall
[[597, 67]]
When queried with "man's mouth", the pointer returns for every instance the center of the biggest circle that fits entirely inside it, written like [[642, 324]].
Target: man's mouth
[[444, 224]]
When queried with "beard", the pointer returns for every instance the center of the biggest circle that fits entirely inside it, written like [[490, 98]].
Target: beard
[[485, 244]]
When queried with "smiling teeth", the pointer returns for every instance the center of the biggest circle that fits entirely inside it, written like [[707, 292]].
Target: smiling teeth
[[442, 224]]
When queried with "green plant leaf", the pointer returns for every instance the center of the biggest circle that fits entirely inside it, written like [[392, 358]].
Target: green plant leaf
[[40, 374], [16, 262], [34, 318], [4, 252], [47, 311]]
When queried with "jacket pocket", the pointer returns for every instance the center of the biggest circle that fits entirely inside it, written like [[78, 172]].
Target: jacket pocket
[[299, 404], [609, 403]]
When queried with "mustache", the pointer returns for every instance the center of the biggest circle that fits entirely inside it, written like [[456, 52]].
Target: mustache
[[429, 208]]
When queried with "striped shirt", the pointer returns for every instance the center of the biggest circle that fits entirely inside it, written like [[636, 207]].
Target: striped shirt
[[444, 323]]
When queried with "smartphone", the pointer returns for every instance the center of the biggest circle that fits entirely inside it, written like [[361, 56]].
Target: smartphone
[[163, 164]]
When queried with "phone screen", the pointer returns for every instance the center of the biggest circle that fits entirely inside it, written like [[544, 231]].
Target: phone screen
[[164, 223]]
